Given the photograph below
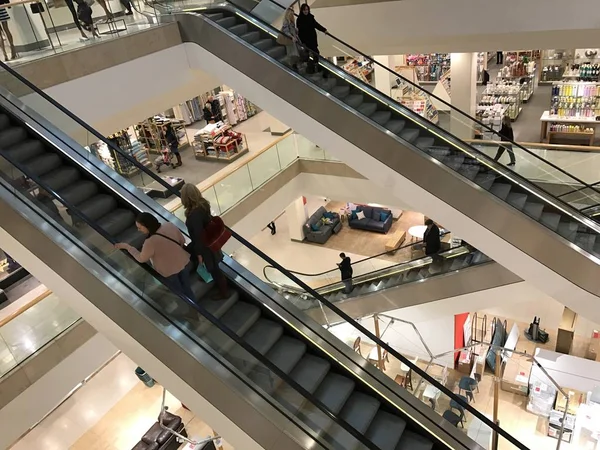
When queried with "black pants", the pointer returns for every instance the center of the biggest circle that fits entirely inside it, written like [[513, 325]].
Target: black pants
[[126, 4], [73, 13], [272, 227], [499, 57], [501, 150]]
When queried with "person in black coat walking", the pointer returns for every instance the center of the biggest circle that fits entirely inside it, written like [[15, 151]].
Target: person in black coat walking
[[307, 31], [506, 135], [346, 272]]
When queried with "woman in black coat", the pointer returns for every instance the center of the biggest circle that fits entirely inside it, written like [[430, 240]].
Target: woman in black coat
[[506, 135], [197, 217], [307, 29]]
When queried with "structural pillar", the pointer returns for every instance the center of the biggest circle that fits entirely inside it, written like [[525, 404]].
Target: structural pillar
[[463, 91], [383, 81]]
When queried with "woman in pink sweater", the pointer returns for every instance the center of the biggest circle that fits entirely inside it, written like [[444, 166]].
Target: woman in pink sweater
[[164, 249]]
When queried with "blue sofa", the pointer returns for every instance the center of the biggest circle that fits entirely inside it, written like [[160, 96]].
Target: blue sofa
[[315, 231], [376, 219]]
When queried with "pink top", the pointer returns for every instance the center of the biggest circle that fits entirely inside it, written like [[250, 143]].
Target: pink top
[[167, 257]]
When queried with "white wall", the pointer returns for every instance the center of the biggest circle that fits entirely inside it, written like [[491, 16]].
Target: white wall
[[50, 390], [414, 26]]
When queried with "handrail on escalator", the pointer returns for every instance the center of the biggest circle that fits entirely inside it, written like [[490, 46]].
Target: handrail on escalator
[[257, 251], [204, 312], [419, 88]]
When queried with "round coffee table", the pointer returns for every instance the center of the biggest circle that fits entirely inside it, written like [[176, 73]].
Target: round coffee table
[[417, 231]]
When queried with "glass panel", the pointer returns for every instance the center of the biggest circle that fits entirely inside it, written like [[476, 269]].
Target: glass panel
[[233, 188], [264, 167], [307, 149], [287, 151]]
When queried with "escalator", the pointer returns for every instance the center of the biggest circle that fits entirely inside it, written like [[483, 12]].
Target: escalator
[[456, 271], [520, 223], [284, 379]]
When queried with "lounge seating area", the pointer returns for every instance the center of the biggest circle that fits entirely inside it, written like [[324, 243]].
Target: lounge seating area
[[371, 218], [157, 438], [321, 225]]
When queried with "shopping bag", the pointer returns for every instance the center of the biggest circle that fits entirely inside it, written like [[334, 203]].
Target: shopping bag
[[204, 273]]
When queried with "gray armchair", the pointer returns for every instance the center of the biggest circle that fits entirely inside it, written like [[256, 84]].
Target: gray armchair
[[316, 231]]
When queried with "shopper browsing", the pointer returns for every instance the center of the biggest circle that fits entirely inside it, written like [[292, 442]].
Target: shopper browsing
[[207, 113], [197, 217], [164, 248], [307, 32], [506, 135], [346, 273], [215, 108], [172, 141]]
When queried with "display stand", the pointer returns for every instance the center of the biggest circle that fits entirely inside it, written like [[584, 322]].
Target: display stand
[[219, 142], [509, 96], [442, 91], [150, 133], [584, 125], [429, 67], [363, 70], [411, 97], [116, 160]]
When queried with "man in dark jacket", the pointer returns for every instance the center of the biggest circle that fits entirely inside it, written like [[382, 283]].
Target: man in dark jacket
[[215, 108], [431, 238], [346, 271], [307, 32]]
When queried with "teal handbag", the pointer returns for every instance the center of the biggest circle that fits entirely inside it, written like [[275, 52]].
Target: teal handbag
[[204, 274]]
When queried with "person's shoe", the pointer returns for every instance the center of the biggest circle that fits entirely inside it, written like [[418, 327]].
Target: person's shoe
[[179, 163], [129, 13], [512, 163]]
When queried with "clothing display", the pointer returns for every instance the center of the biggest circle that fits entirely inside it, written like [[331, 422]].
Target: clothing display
[[219, 141], [117, 161], [233, 107], [152, 136]]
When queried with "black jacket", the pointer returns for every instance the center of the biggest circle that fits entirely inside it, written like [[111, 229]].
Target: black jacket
[[216, 110], [307, 30], [506, 134], [195, 222], [208, 115], [346, 268], [431, 237]]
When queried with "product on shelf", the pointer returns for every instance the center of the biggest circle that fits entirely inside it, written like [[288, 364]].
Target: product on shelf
[[150, 133], [219, 141], [575, 99], [582, 72], [362, 70], [570, 128], [116, 160], [429, 66], [509, 94]]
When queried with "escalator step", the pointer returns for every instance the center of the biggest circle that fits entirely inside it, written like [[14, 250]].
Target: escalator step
[[340, 91], [454, 162], [131, 236], [568, 230], [61, 178], [43, 164], [276, 52], [386, 430], [97, 206], [261, 336], [533, 210], [469, 171], [215, 16], [485, 180], [501, 190], [517, 200], [358, 412], [381, 117], [367, 109], [586, 241], [239, 318], [217, 309], [409, 134], [354, 100], [79, 191], [252, 37], [239, 29], [424, 142], [414, 441], [308, 373], [25, 150], [328, 83], [11, 136], [551, 220], [4, 121], [117, 221], [264, 44], [438, 152], [226, 22], [395, 125]]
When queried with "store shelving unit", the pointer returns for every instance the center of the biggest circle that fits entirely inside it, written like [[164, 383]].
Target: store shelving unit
[[116, 160], [429, 67], [363, 70], [149, 133], [508, 95], [219, 142], [575, 100]]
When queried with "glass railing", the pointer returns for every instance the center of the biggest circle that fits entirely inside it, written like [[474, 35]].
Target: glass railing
[[229, 190], [30, 330]]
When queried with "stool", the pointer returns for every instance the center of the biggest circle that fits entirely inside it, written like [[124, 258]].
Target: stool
[[452, 417]]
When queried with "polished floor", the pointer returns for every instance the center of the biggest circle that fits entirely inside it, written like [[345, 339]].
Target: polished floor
[[110, 412]]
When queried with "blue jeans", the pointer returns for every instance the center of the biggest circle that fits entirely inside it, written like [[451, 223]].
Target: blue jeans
[[180, 283]]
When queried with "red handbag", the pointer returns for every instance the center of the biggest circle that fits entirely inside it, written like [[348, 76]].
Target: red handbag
[[216, 234]]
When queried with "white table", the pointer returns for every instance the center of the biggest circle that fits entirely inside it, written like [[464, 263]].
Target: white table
[[417, 231]]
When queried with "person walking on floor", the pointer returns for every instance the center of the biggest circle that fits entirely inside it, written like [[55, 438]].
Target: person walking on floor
[[307, 32], [346, 272], [431, 239], [197, 217], [172, 142], [272, 227], [164, 248], [499, 57], [506, 135], [290, 39]]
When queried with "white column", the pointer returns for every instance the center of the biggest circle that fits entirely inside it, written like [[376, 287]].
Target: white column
[[297, 215], [463, 91], [383, 77]]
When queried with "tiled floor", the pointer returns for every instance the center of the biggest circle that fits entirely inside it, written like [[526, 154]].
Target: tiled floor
[[110, 412]]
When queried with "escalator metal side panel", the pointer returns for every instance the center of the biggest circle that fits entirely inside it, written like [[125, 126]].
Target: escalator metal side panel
[[505, 234], [314, 332], [202, 381], [74, 151], [466, 281]]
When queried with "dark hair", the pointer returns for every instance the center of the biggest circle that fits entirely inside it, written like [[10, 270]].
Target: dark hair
[[149, 221], [429, 222], [342, 255], [304, 6]]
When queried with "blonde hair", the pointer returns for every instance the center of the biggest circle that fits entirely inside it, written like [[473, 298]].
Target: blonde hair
[[191, 199]]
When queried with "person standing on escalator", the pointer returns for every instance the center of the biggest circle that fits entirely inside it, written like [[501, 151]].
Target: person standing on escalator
[[346, 273], [307, 32]]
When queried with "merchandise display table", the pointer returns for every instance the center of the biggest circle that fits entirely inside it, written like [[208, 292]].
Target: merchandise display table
[[588, 122]]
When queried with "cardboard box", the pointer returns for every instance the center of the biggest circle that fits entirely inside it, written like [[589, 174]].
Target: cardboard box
[[515, 378], [575, 399], [464, 362]]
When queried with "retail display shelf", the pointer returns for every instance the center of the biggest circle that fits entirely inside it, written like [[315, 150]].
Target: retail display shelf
[[587, 127]]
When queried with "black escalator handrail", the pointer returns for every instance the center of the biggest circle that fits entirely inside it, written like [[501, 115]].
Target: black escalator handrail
[[382, 344], [86, 126], [578, 189], [387, 252], [419, 88], [232, 335]]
